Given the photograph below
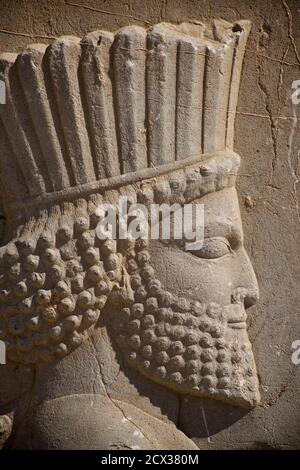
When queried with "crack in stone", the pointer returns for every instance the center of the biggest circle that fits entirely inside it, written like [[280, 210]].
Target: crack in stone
[[280, 79], [272, 120], [106, 12], [205, 423], [263, 89], [291, 35], [118, 407], [28, 397], [273, 399], [295, 172]]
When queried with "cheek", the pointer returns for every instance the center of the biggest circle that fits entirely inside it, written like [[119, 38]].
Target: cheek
[[195, 278]]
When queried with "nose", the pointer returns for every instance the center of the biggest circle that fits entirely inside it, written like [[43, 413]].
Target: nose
[[247, 292]]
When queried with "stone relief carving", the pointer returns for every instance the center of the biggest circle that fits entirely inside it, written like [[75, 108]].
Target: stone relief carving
[[148, 114]]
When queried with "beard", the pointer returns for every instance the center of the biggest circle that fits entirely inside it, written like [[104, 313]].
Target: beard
[[187, 346]]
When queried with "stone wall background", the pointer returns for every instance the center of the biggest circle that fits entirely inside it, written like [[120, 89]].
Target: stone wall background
[[268, 139]]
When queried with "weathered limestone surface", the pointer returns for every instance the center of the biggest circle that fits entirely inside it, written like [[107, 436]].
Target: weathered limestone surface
[[109, 375]]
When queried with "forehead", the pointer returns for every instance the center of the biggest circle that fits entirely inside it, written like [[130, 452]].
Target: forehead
[[221, 214], [220, 204]]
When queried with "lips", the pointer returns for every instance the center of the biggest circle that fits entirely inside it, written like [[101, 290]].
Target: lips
[[236, 316], [238, 325]]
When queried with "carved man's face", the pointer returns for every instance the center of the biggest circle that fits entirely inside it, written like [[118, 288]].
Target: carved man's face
[[221, 270], [187, 327]]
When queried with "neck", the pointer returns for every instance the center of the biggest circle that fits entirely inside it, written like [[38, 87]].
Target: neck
[[96, 368], [93, 388]]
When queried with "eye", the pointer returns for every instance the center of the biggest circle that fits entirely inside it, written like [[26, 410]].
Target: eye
[[213, 248]]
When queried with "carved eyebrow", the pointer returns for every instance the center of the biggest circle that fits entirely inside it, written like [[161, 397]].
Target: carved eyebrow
[[218, 228], [215, 226], [230, 229], [223, 227], [214, 229]]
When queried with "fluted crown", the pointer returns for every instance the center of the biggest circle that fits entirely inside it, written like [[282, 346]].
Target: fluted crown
[[113, 106]]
